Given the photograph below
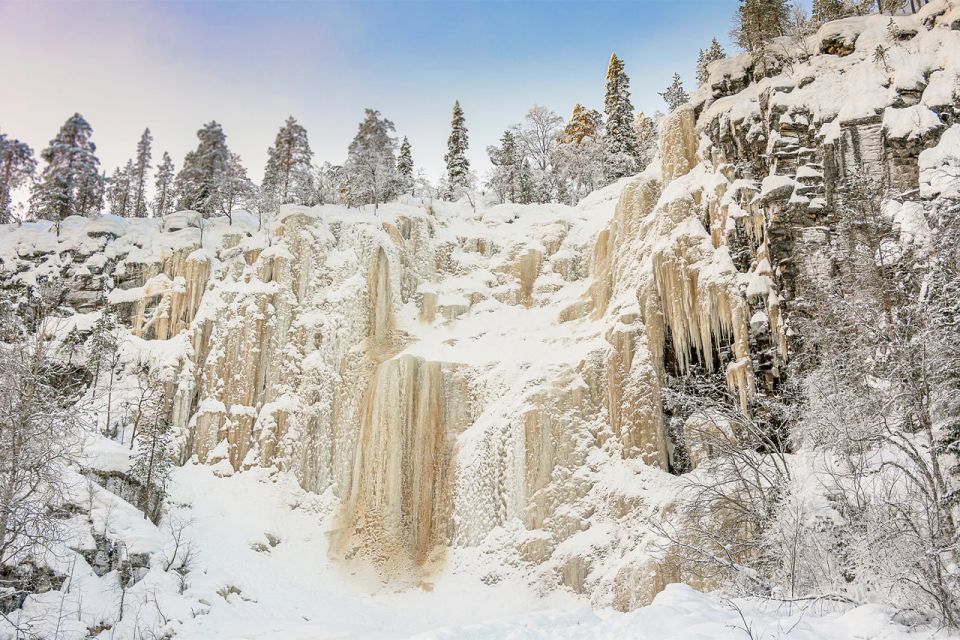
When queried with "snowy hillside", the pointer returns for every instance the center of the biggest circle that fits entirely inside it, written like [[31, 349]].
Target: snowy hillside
[[470, 420]]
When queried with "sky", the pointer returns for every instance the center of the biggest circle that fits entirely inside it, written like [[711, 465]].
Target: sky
[[173, 65]]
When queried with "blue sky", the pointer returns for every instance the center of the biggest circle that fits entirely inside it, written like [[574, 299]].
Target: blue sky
[[173, 65]]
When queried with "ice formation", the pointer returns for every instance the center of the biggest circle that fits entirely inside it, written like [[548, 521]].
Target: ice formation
[[494, 377]]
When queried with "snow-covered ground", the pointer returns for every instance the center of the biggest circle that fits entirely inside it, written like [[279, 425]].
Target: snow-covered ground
[[261, 569]]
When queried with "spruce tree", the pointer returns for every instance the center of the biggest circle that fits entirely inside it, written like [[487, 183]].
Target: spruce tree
[[405, 167], [163, 196], [138, 179], [711, 54], [16, 169], [204, 171], [288, 177], [458, 167], [70, 182], [675, 95], [619, 142], [758, 22]]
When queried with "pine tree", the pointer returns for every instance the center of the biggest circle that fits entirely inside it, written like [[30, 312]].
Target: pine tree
[[163, 198], [675, 95], [458, 167], [619, 141], [583, 123], [405, 167], [711, 54], [758, 22], [70, 182], [17, 166], [288, 177], [204, 171], [138, 178], [371, 167]]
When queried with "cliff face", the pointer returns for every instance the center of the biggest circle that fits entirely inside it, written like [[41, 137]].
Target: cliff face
[[496, 378]]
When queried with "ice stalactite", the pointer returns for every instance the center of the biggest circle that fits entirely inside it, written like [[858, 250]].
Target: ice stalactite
[[678, 144], [169, 300], [400, 496]]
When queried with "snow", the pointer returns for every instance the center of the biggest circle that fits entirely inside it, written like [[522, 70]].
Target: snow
[[940, 166], [909, 122]]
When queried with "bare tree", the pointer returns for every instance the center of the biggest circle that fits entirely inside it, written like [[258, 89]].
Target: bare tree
[[40, 424]]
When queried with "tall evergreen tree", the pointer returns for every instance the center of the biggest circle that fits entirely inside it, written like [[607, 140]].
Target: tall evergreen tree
[[71, 181], [619, 141], [163, 196], [288, 177], [371, 166], [759, 21], [675, 95], [711, 54], [458, 167], [405, 167], [16, 168], [138, 178], [204, 171]]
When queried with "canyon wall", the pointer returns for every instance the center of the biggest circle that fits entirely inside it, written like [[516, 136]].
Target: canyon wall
[[495, 377]]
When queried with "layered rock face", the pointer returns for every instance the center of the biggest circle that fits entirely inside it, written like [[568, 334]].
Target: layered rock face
[[496, 378]]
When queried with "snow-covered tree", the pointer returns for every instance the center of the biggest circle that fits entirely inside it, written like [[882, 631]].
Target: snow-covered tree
[[40, 430], [163, 187], [578, 158], [506, 165], [70, 182], [526, 184], [371, 167], [138, 177], [458, 167], [17, 166], [757, 22], [711, 54], [619, 140], [204, 172], [153, 460], [827, 10], [329, 180], [120, 189], [288, 177], [405, 167], [675, 95], [236, 189]]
